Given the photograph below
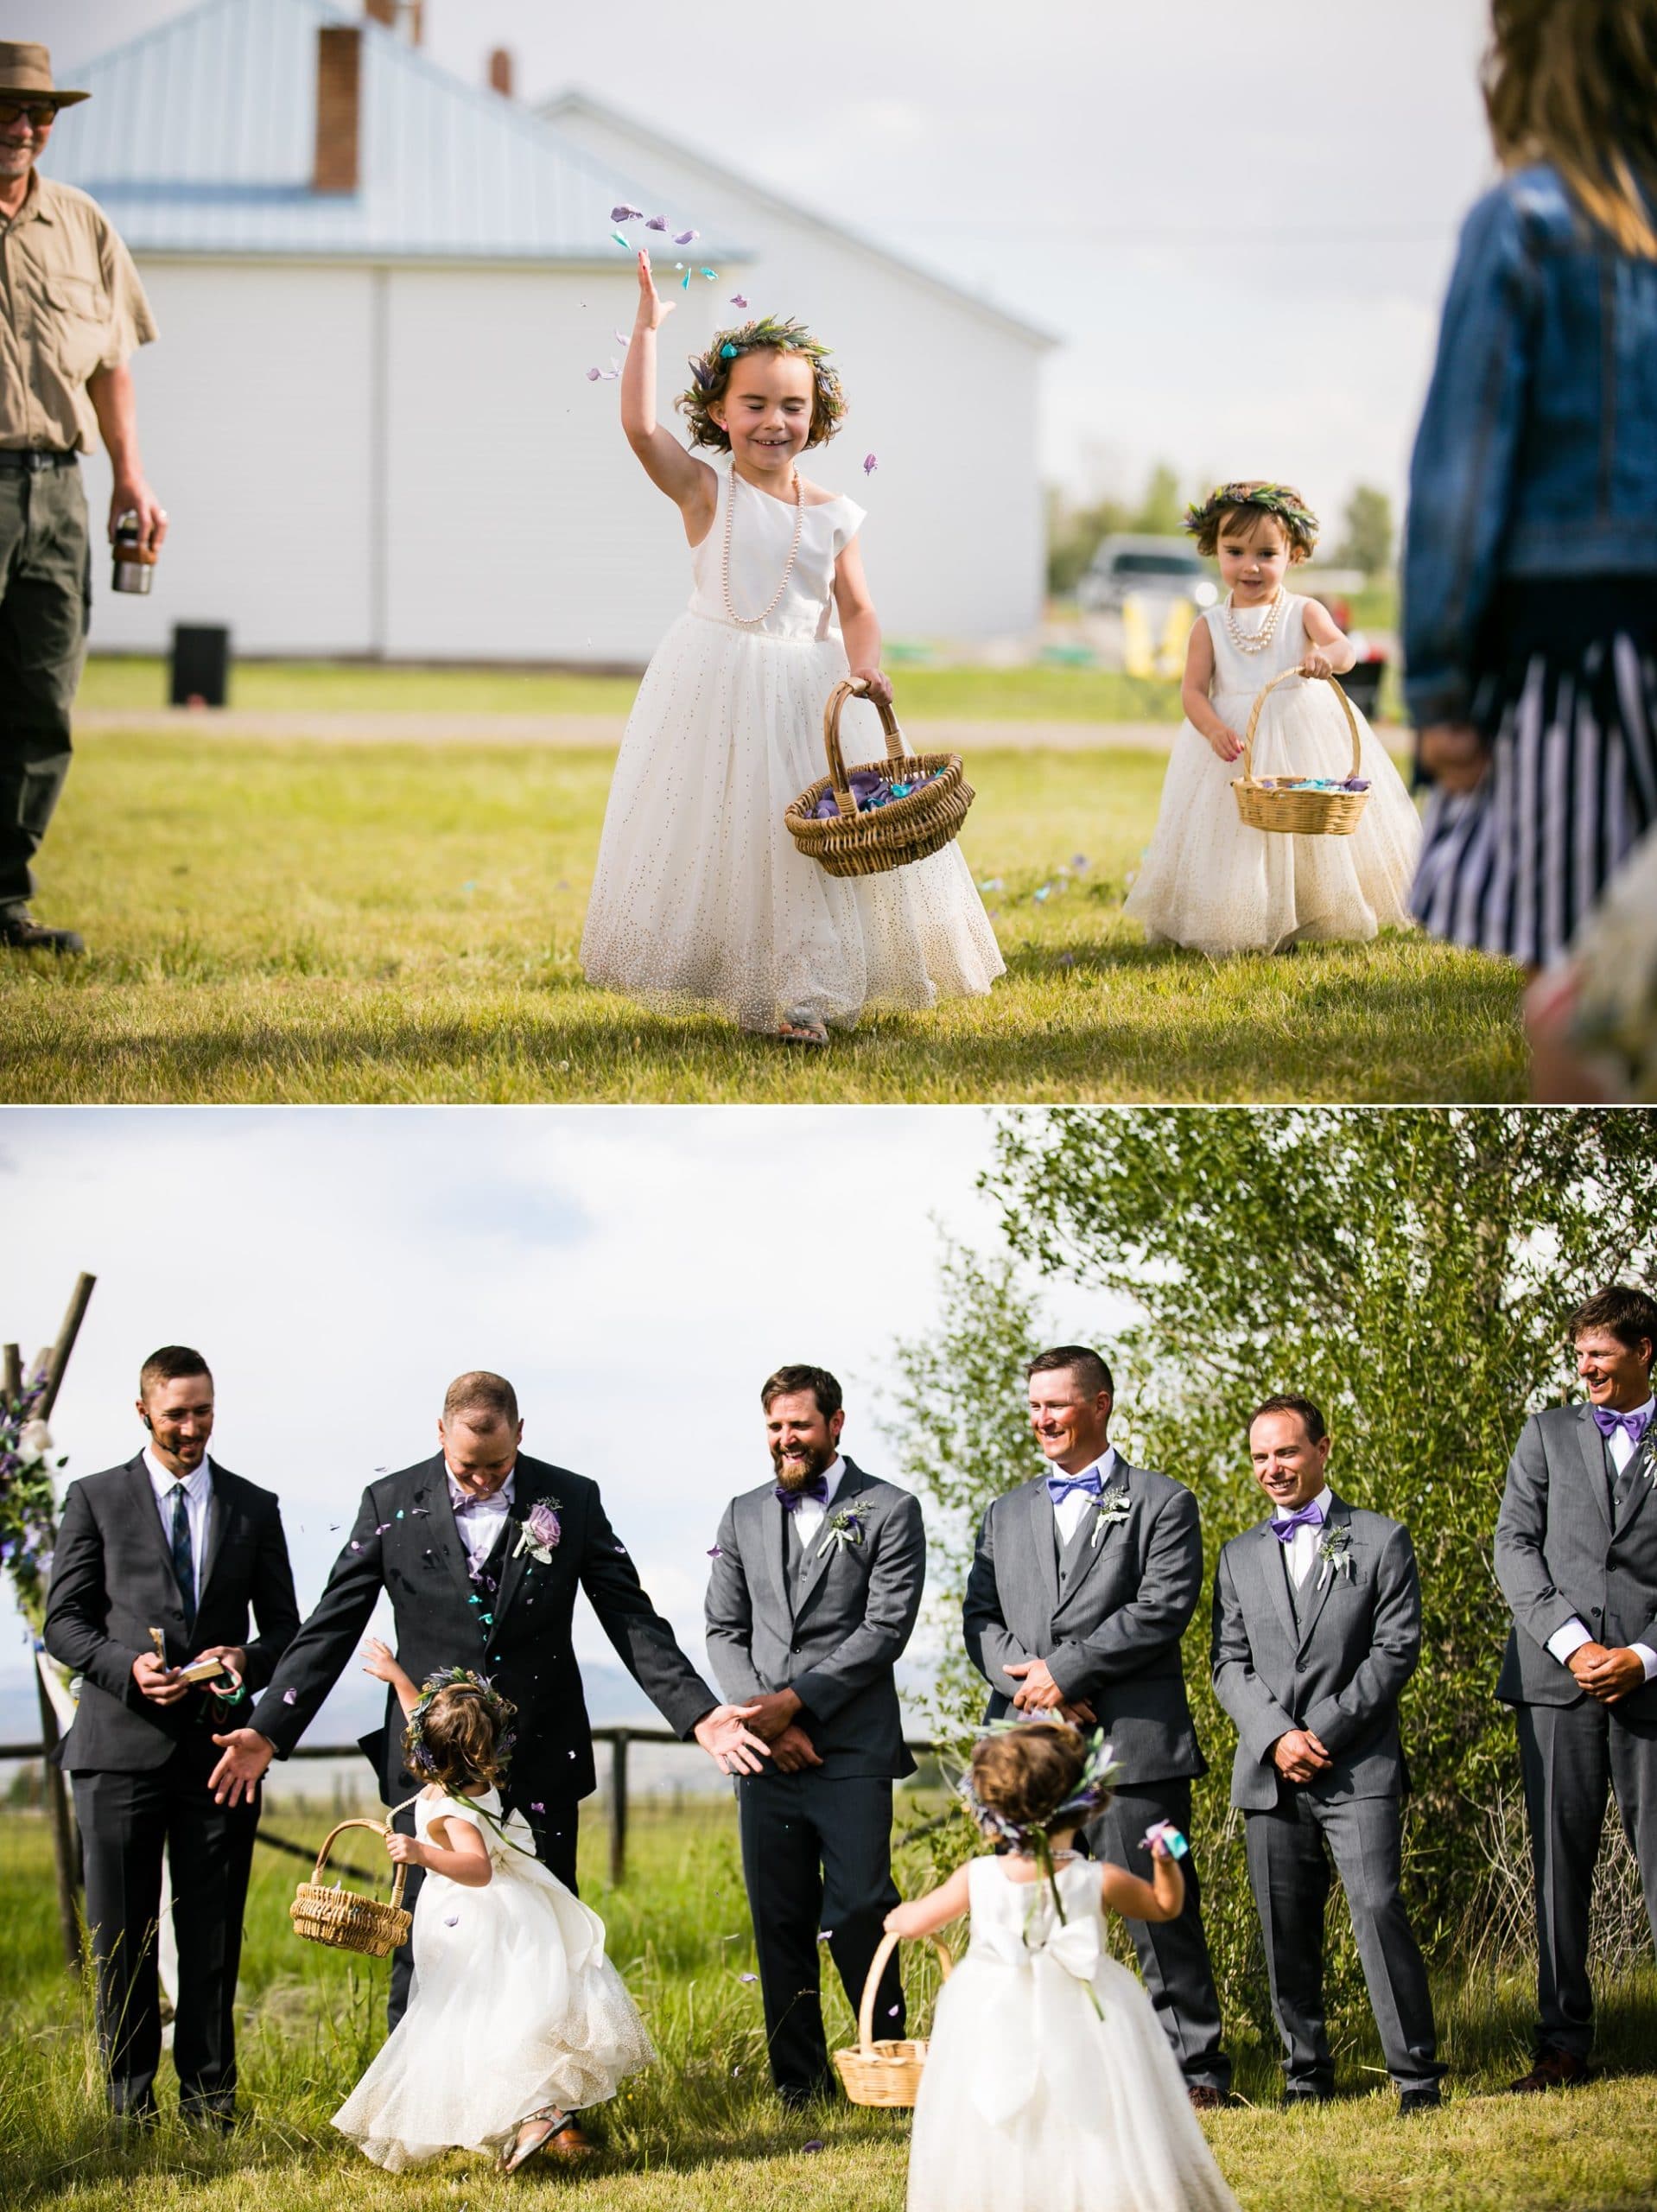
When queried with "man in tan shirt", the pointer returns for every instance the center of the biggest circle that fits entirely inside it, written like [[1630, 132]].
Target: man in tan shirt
[[72, 313]]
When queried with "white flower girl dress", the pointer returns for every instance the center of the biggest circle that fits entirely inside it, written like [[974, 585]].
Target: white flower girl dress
[[700, 893], [1049, 2083], [514, 2006], [1211, 880]]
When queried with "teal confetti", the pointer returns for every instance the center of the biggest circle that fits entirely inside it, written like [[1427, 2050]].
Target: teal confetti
[[684, 282], [620, 241]]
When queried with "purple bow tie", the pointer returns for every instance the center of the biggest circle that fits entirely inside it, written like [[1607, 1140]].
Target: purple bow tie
[[791, 1500], [1307, 1517], [1060, 1486], [1631, 1425]]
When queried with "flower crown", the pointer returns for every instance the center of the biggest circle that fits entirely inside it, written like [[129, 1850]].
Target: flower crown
[[500, 1710], [768, 333], [1090, 1790], [1276, 499]]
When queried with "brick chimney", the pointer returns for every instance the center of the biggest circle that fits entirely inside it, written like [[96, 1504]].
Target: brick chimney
[[339, 107], [500, 72]]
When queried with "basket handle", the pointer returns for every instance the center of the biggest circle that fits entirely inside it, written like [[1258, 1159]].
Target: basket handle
[[876, 1966], [380, 1828], [854, 687], [1254, 713]]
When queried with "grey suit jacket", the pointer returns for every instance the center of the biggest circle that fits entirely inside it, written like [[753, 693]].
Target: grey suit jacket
[[854, 1612], [1108, 1625], [1557, 1558], [1339, 1673]]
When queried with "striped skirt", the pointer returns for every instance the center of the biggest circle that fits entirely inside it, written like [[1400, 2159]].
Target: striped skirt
[[1517, 866]]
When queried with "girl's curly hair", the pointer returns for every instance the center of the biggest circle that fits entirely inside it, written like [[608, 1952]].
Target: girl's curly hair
[[460, 1732], [1247, 501], [711, 378]]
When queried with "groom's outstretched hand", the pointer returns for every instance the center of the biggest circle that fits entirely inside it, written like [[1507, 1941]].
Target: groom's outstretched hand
[[235, 1780], [731, 1747]]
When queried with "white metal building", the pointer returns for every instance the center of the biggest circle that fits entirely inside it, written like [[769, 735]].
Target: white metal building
[[379, 289]]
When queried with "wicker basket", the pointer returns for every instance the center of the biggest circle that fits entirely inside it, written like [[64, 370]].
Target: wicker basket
[[347, 1922], [905, 829], [1281, 804], [884, 2073]]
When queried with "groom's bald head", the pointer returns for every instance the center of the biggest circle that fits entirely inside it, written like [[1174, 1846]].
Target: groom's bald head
[[481, 1430]]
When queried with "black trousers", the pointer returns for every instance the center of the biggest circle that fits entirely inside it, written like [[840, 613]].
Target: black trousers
[[127, 1822], [1289, 1850], [44, 599], [1570, 1755], [556, 1835], [816, 1858], [1173, 1955]]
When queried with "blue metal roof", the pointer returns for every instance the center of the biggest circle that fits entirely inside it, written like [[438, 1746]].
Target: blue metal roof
[[199, 136]]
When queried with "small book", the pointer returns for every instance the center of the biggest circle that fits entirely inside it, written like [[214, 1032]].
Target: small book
[[202, 1670]]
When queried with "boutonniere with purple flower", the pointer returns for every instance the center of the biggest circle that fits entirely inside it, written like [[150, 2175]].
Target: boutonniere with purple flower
[[540, 1533], [845, 1528], [1112, 1510], [1336, 1552]]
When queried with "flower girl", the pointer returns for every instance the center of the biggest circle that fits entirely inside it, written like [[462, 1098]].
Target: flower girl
[[516, 2018], [1211, 880], [700, 894], [1049, 2084]]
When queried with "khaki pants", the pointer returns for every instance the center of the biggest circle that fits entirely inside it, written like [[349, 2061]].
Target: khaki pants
[[45, 600]]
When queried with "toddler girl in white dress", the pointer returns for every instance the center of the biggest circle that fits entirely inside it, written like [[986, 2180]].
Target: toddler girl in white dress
[[1049, 2084], [700, 895], [516, 2019], [1211, 880]]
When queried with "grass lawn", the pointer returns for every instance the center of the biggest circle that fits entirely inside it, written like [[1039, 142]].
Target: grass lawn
[[304, 920], [701, 2129]]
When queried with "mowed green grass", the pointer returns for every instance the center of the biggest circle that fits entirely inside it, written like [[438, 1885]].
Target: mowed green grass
[[306, 919], [701, 2129]]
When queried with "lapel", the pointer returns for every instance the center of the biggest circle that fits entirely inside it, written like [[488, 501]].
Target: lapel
[[151, 1535], [1637, 1477], [1035, 1511], [770, 1526], [1313, 1599], [1591, 1450], [1081, 1552], [431, 1491], [219, 1513], [528, 1489], [1267, 1554], [821, 1550]]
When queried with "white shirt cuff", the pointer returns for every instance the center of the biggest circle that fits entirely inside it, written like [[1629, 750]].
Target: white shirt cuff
[[1648, 1659], [1571, 1638]]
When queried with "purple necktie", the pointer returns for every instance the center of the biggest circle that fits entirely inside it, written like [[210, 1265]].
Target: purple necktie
[[1307, 1517], [791, 1500], [1631, 1425]]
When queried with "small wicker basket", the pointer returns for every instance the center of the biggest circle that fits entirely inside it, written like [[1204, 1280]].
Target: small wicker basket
[[905, 829], [1283, 805], [886, 2073], [347, 1922]]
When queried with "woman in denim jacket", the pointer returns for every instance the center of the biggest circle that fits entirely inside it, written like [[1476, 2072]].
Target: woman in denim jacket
[[1530, 578]]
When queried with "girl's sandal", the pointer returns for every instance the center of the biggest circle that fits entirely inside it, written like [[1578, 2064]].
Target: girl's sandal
[[800, 1028], [532, 2132]]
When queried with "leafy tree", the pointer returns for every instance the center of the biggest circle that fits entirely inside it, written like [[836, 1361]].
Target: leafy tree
[[1162, 511], [1367, 521]]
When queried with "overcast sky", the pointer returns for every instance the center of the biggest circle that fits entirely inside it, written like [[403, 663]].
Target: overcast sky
[[635, 1271], [1240, 219]]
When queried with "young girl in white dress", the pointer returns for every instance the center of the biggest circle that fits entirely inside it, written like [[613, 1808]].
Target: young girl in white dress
[[515, 2019], [700, 895], [1049, 2084], [1211, 880]]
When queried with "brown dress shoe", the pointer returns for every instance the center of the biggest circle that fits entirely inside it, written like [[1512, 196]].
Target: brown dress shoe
[[1205, 2098], [1552, 2070]]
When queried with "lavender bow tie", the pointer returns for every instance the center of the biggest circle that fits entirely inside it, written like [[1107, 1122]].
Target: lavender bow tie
[[1307, 1517], [791, 1500], [1633, 1426], [1060, 1486]]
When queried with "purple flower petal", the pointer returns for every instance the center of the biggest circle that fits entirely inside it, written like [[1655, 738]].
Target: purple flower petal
[[657, 223], [683, 237], [382, 1529], [815, 2144], [893, 2011], [290, 1697], [714, 1552], [355, 1546], [625, 215], [453, 1921], [621, 339], [593, 375], [536, 1806], [747, 1977], [736, 300], [870, 464]]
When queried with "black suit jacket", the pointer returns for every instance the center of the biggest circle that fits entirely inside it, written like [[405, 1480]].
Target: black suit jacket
[[405, 1542], [112, 1580]]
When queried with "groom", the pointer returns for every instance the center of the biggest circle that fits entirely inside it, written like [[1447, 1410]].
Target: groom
[[482, 1551], [1080, 1590]]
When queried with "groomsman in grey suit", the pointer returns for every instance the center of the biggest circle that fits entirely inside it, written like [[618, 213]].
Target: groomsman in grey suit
[[816, 1584], [1317, 1628], [1576, 1556], [1081, 1588]]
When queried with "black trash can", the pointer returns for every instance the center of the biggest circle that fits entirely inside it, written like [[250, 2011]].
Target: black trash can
[[201, 670]]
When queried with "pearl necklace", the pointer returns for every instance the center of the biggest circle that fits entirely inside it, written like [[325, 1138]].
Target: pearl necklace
[[1255, 641], [752, 621]]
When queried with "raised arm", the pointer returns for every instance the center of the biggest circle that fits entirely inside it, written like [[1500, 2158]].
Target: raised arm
[[689, 483]]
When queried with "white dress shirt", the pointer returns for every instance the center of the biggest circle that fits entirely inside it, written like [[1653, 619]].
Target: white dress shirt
[[1302, 1547], [1571, 1638], [198, 1503], [810, 1513], [1067, 1513], [478, 1519]]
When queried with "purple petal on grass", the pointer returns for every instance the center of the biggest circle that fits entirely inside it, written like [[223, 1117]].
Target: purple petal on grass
[[625, 215], [1067, 960], [736, 300], [870, 464], [683, 237], [747, 1977], [1080, 862], [290, 1697], [655, 223], [815, 2144]]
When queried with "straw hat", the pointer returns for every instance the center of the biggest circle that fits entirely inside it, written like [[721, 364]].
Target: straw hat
[[26, 74]]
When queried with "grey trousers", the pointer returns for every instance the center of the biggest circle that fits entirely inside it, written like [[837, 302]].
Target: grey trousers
[[45, 600], [1289, 1853], [1570, 1755]]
